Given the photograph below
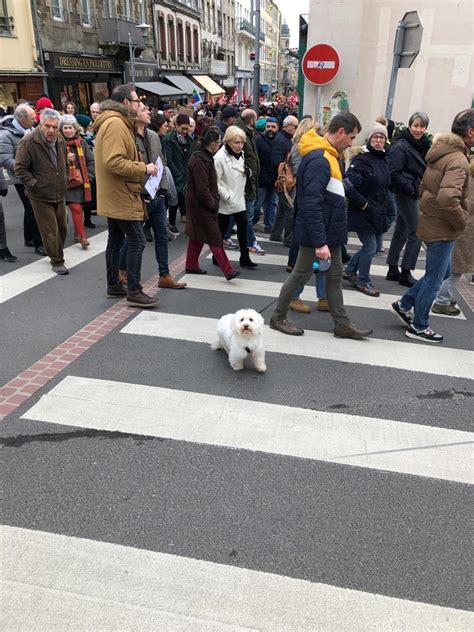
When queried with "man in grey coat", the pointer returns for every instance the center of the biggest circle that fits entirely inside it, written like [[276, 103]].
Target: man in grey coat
[[12, 131]]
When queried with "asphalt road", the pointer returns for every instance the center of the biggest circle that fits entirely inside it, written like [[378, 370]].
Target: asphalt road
[[82, 463]]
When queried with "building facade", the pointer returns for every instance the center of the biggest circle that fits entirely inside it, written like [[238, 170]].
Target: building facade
[[270, 20], [217, 30], [289, 63], [21, 73], [244, 48], [440, 81]]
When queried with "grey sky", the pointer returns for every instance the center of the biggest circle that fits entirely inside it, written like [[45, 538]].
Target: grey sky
[[290, 11]]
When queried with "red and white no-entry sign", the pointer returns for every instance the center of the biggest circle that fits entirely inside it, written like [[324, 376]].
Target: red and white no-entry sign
[[320, 64]]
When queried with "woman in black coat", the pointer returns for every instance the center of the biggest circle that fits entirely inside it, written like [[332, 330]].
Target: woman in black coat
[[202, 204], [407, 166], [367, 187]]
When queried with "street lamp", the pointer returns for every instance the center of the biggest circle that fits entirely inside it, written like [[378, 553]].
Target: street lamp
[[131, 49]]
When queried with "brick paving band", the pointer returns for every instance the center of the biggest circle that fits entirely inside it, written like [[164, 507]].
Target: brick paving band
[[25, 384]]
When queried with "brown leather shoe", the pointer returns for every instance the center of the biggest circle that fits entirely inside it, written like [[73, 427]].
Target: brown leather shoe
[[140, 299], [351, 331], [170, 282], [285, 327], [297, 305], [323, 305]]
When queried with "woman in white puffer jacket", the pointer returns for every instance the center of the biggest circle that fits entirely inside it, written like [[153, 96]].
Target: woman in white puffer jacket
[[231, 180]]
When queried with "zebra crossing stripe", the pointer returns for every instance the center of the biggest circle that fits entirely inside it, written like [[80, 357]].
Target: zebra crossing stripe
[[258, 426], [282, 261], [25, 278], [57, 582], [315, 344], [270, 288]]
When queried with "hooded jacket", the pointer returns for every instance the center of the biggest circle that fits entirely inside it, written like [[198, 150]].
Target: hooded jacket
[[10, 138], [251, 160], [444, 208], [119, 170], [44, 181], [321, 217], [407, 164]]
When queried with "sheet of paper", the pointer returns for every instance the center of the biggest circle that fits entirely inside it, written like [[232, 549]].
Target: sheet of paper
[[153, 183]]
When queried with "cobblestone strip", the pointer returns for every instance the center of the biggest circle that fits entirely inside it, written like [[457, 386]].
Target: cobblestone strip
[[23, 386]]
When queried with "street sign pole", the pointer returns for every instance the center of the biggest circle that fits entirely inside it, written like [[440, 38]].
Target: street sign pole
[[405, 49], [318, 103], [320, 66], [256, 66]]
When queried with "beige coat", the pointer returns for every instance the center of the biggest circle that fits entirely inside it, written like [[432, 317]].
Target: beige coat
[[444, 207], [463, 253], [118, 165]]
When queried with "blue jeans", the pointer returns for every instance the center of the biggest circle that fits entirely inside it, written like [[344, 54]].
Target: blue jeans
[[267, 197], [362, 260], [157, 215], [423, 293], [118, 228], [249, 207]]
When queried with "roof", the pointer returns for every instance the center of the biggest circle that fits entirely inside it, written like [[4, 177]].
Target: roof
[[285, 29], [160, 88], [208, 84], [184, 84]]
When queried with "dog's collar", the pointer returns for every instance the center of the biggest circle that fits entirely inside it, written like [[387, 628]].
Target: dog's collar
[[248, 350]]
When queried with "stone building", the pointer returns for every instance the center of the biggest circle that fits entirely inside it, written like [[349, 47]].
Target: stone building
[[21, 73], [440, 81], [270, 18], [289, 62]]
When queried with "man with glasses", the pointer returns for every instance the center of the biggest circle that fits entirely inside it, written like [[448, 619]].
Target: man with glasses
[[283, 225], [120, 174]]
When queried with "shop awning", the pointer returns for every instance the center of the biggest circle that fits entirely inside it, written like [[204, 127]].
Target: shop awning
[[160, 88], [208, 84], [184, 84]]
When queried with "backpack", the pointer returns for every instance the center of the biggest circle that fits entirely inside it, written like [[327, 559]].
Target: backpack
[[286, 180]]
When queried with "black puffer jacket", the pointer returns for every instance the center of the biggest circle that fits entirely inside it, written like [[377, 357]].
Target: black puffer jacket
[[370, 176], [407, 163]]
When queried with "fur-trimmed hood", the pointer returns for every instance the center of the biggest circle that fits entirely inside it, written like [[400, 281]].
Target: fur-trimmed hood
[[443, 144], [110, 109]]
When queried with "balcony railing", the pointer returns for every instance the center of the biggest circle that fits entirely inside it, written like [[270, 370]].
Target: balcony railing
[[6, 24], [244, 26], [214, 66], [116, 30]]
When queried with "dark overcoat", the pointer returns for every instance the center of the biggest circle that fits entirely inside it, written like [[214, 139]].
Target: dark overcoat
[[202, 199], [369, 173]]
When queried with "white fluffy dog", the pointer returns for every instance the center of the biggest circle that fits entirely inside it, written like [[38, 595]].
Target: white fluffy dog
[[240, 334]]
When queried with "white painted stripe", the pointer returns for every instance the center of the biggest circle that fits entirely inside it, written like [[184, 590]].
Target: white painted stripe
[[316, 344], [27, 277], [352, 298], [55, 582], [282, 260], [258, 426]]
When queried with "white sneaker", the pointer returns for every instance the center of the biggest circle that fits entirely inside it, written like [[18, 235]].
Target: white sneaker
[[230, 245], [425, 335], [256, 249]]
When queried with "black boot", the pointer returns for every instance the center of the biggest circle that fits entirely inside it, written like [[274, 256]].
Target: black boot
[[214, 261], [6, 254], [245, 261], [87, 218], [406, 278], [393, 274]]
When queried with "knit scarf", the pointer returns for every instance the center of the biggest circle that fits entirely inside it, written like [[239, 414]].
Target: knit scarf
[[76, 147]]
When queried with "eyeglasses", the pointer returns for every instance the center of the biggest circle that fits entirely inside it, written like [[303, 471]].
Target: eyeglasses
[[134, 100]]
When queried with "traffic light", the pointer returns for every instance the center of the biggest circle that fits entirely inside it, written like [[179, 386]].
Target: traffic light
[[252, 56]]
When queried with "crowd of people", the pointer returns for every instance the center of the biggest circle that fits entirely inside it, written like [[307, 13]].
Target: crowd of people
[[223, 170]]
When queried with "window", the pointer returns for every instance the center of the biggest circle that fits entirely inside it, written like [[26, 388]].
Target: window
[[196, 45], [189, 55], [180, 42], [57, 9], [172, 40], [86, 17], [162, 35], [6, 21]]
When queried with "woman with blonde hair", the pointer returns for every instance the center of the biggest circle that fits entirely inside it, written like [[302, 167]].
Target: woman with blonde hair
[[231, 180]]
